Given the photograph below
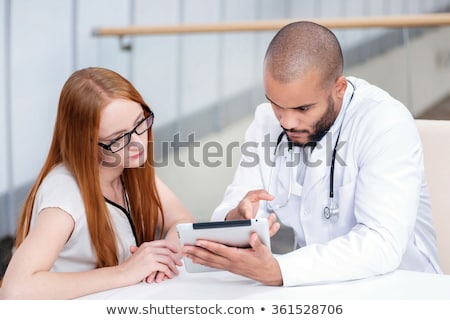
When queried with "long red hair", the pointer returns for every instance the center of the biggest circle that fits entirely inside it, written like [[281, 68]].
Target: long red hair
[[74, 144]]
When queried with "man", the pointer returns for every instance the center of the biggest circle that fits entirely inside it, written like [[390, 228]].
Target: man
[[347, 174]]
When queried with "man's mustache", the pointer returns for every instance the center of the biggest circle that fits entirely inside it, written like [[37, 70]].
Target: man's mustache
[[294, 130]]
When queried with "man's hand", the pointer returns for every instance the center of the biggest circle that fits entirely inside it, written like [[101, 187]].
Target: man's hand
[[248, 206], [256, 263]]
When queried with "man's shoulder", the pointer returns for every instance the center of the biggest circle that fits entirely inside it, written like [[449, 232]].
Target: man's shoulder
[[264, 113], [264, 123], [264, 109], [376, 105]]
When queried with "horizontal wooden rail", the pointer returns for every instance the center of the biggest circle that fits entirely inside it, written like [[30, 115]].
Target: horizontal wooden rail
[[394, 21]]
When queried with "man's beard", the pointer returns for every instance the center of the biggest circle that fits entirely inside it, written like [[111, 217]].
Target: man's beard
[[321, 127]]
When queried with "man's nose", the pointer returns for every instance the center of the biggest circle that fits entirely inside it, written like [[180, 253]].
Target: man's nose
[[287, 119]]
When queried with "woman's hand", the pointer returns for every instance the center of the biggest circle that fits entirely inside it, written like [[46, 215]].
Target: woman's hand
[[153, 261]]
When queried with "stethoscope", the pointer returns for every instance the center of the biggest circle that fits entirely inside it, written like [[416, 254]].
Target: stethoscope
[[330, 211]]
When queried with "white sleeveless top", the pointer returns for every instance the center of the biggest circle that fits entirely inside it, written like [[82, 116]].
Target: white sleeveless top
[[60, 190]]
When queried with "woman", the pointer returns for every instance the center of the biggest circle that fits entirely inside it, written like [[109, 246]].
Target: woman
[[97, 217]]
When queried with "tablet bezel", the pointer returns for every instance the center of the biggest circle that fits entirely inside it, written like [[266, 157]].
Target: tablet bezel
[[235, 233]]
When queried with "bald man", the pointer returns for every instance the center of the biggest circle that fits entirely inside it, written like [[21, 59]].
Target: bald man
[[337, 159]]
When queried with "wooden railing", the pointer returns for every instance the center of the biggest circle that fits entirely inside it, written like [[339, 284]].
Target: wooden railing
[[394, 21]]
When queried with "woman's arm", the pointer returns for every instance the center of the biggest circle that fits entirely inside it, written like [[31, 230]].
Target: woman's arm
[[29, 277]]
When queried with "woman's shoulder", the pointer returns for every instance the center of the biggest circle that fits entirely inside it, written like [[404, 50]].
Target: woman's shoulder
[[59, 189], [61, 177]]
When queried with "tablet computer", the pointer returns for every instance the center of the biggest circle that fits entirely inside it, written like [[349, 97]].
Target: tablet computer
[[233, 233]]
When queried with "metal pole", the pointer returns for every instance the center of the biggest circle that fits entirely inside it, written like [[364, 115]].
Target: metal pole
[[74, 39], [11, 201], [131, 21], [219, 108], [408, 72], [179, 66]]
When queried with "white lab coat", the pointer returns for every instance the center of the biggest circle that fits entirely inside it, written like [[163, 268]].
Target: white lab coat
[[379, 185]]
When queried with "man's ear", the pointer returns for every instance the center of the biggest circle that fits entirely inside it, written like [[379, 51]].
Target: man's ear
[[340, 87]]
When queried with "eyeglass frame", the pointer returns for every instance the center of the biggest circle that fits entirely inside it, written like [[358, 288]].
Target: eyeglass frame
[[130, 133]]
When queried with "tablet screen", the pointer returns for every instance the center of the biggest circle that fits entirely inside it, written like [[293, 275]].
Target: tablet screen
[[234, 233]]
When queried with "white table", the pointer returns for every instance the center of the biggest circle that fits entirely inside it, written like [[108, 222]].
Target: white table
[[222, 295], [223, 285]]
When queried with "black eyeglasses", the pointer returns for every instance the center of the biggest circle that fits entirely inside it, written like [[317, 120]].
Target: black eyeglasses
[[122, 141]]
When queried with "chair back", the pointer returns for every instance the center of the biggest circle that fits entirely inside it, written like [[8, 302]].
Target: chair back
[[435, 136]]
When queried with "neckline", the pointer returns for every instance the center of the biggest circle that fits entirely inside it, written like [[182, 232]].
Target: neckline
[[126, 211]]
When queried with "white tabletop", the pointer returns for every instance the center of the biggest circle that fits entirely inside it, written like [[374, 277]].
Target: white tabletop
[[226, 286]]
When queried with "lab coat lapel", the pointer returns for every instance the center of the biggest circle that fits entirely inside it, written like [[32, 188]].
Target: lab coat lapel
[[285, 162], [289, 171], [317, 168]]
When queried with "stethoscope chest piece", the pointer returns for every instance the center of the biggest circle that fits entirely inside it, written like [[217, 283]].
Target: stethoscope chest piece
[[331, 212]]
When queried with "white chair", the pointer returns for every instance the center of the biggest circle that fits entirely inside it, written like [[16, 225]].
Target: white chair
[[435, 135]]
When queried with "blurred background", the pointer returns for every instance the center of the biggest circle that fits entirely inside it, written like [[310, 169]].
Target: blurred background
[[202, 87]]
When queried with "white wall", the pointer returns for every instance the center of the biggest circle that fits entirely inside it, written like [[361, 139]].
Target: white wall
[[419, 76], [177, 75]]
